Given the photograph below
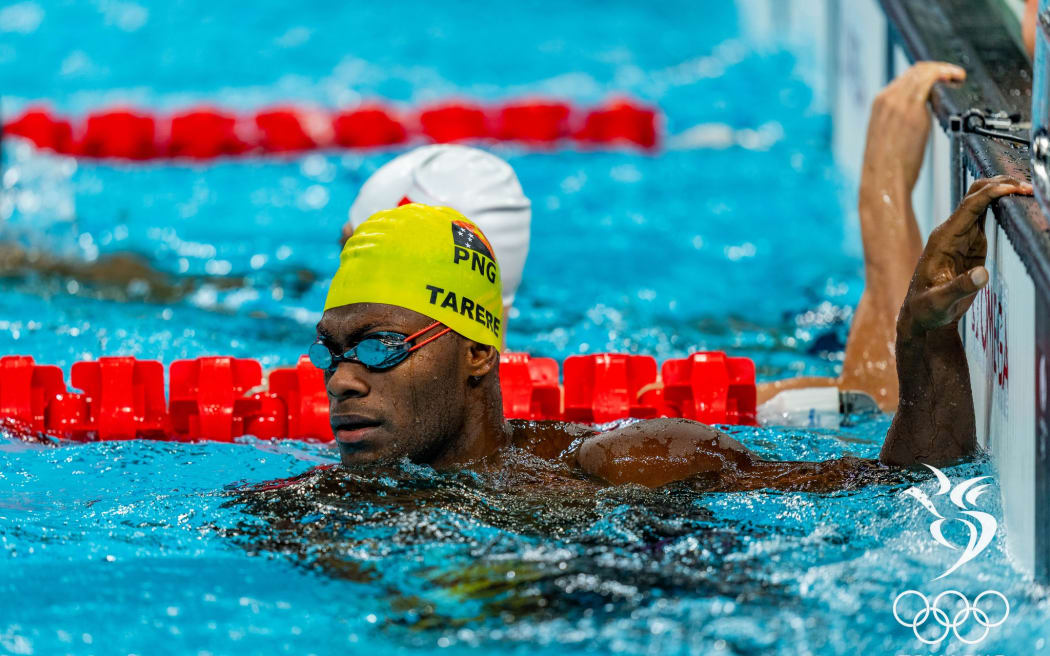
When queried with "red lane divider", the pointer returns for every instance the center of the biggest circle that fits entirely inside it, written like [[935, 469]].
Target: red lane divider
[[26, 389], [711, 388], [283, 131], [127, 399], [622, 120], [454, 122], [120, 134], [368, 127], [208, 396], [204, 133], [44, 130], [302, 391], [219, 398], [536, 122], [530, 387], [603, 388]]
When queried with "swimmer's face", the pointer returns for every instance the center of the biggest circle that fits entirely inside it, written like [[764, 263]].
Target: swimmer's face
[[412, 410]]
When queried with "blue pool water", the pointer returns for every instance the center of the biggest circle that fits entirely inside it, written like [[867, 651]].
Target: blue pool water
[[157, 548]]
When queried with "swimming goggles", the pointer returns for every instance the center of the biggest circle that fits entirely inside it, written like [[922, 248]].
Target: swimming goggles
[[376, 351]]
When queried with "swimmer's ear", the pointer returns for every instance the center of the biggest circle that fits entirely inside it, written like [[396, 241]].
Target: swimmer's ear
[[481, 359]]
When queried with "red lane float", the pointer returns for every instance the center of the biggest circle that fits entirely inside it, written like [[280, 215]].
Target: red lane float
[[26, 389], [454, 122], [607, 387], [302, 391], [208, 397], [529, 387], [623, 122], [219, 398], [368, 127], [285, 130], [710, 388], [119, 134], [537, 122], [124, 398], [204, 133], [44, 130]]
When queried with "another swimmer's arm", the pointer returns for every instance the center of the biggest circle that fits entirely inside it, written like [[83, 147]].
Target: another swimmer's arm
[[898, 129], [935, 422]]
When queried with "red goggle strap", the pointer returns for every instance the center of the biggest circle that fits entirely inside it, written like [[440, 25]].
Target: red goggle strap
[[429, 339]]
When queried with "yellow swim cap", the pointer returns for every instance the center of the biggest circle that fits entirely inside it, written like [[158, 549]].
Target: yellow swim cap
[[429, 259]]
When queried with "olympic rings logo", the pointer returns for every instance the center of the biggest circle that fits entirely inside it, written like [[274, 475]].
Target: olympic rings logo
[[950, 624]]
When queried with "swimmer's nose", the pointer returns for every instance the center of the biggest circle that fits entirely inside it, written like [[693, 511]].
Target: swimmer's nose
[[348, 381]]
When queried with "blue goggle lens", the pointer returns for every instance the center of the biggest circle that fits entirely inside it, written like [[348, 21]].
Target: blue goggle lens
[[320, 356], [378, 351], [374, 352]]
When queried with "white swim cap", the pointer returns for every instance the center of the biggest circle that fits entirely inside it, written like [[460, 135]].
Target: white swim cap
[[477, 184]]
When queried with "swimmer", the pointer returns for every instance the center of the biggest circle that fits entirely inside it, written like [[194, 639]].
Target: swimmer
[[896, 143], [409, 344], [120, 277], [128, 276], [474, 182]]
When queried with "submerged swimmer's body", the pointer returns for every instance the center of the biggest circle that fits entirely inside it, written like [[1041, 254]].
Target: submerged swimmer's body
[[128, 276], [439, 401]]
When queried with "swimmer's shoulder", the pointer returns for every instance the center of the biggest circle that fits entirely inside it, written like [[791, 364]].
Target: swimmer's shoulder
[[551, 440]]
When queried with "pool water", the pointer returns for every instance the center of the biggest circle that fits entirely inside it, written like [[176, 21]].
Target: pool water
[[735, 236]]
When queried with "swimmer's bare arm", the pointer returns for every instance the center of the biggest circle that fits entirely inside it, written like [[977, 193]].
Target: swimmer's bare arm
[[898, 130], [934, 423], [660, 451]]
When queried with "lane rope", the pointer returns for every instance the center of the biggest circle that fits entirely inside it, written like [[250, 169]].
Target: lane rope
[[222, 398], [205, 133]]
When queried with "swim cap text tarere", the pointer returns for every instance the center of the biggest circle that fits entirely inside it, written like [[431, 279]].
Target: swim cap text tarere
[[432, 260]]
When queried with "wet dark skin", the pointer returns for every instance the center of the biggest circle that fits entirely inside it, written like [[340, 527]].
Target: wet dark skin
[[441, 406]]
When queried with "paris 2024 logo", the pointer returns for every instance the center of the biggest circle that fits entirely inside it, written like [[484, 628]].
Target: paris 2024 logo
[[951, 612]]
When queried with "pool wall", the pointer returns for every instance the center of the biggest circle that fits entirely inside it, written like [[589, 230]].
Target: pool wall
[[854, 47]]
